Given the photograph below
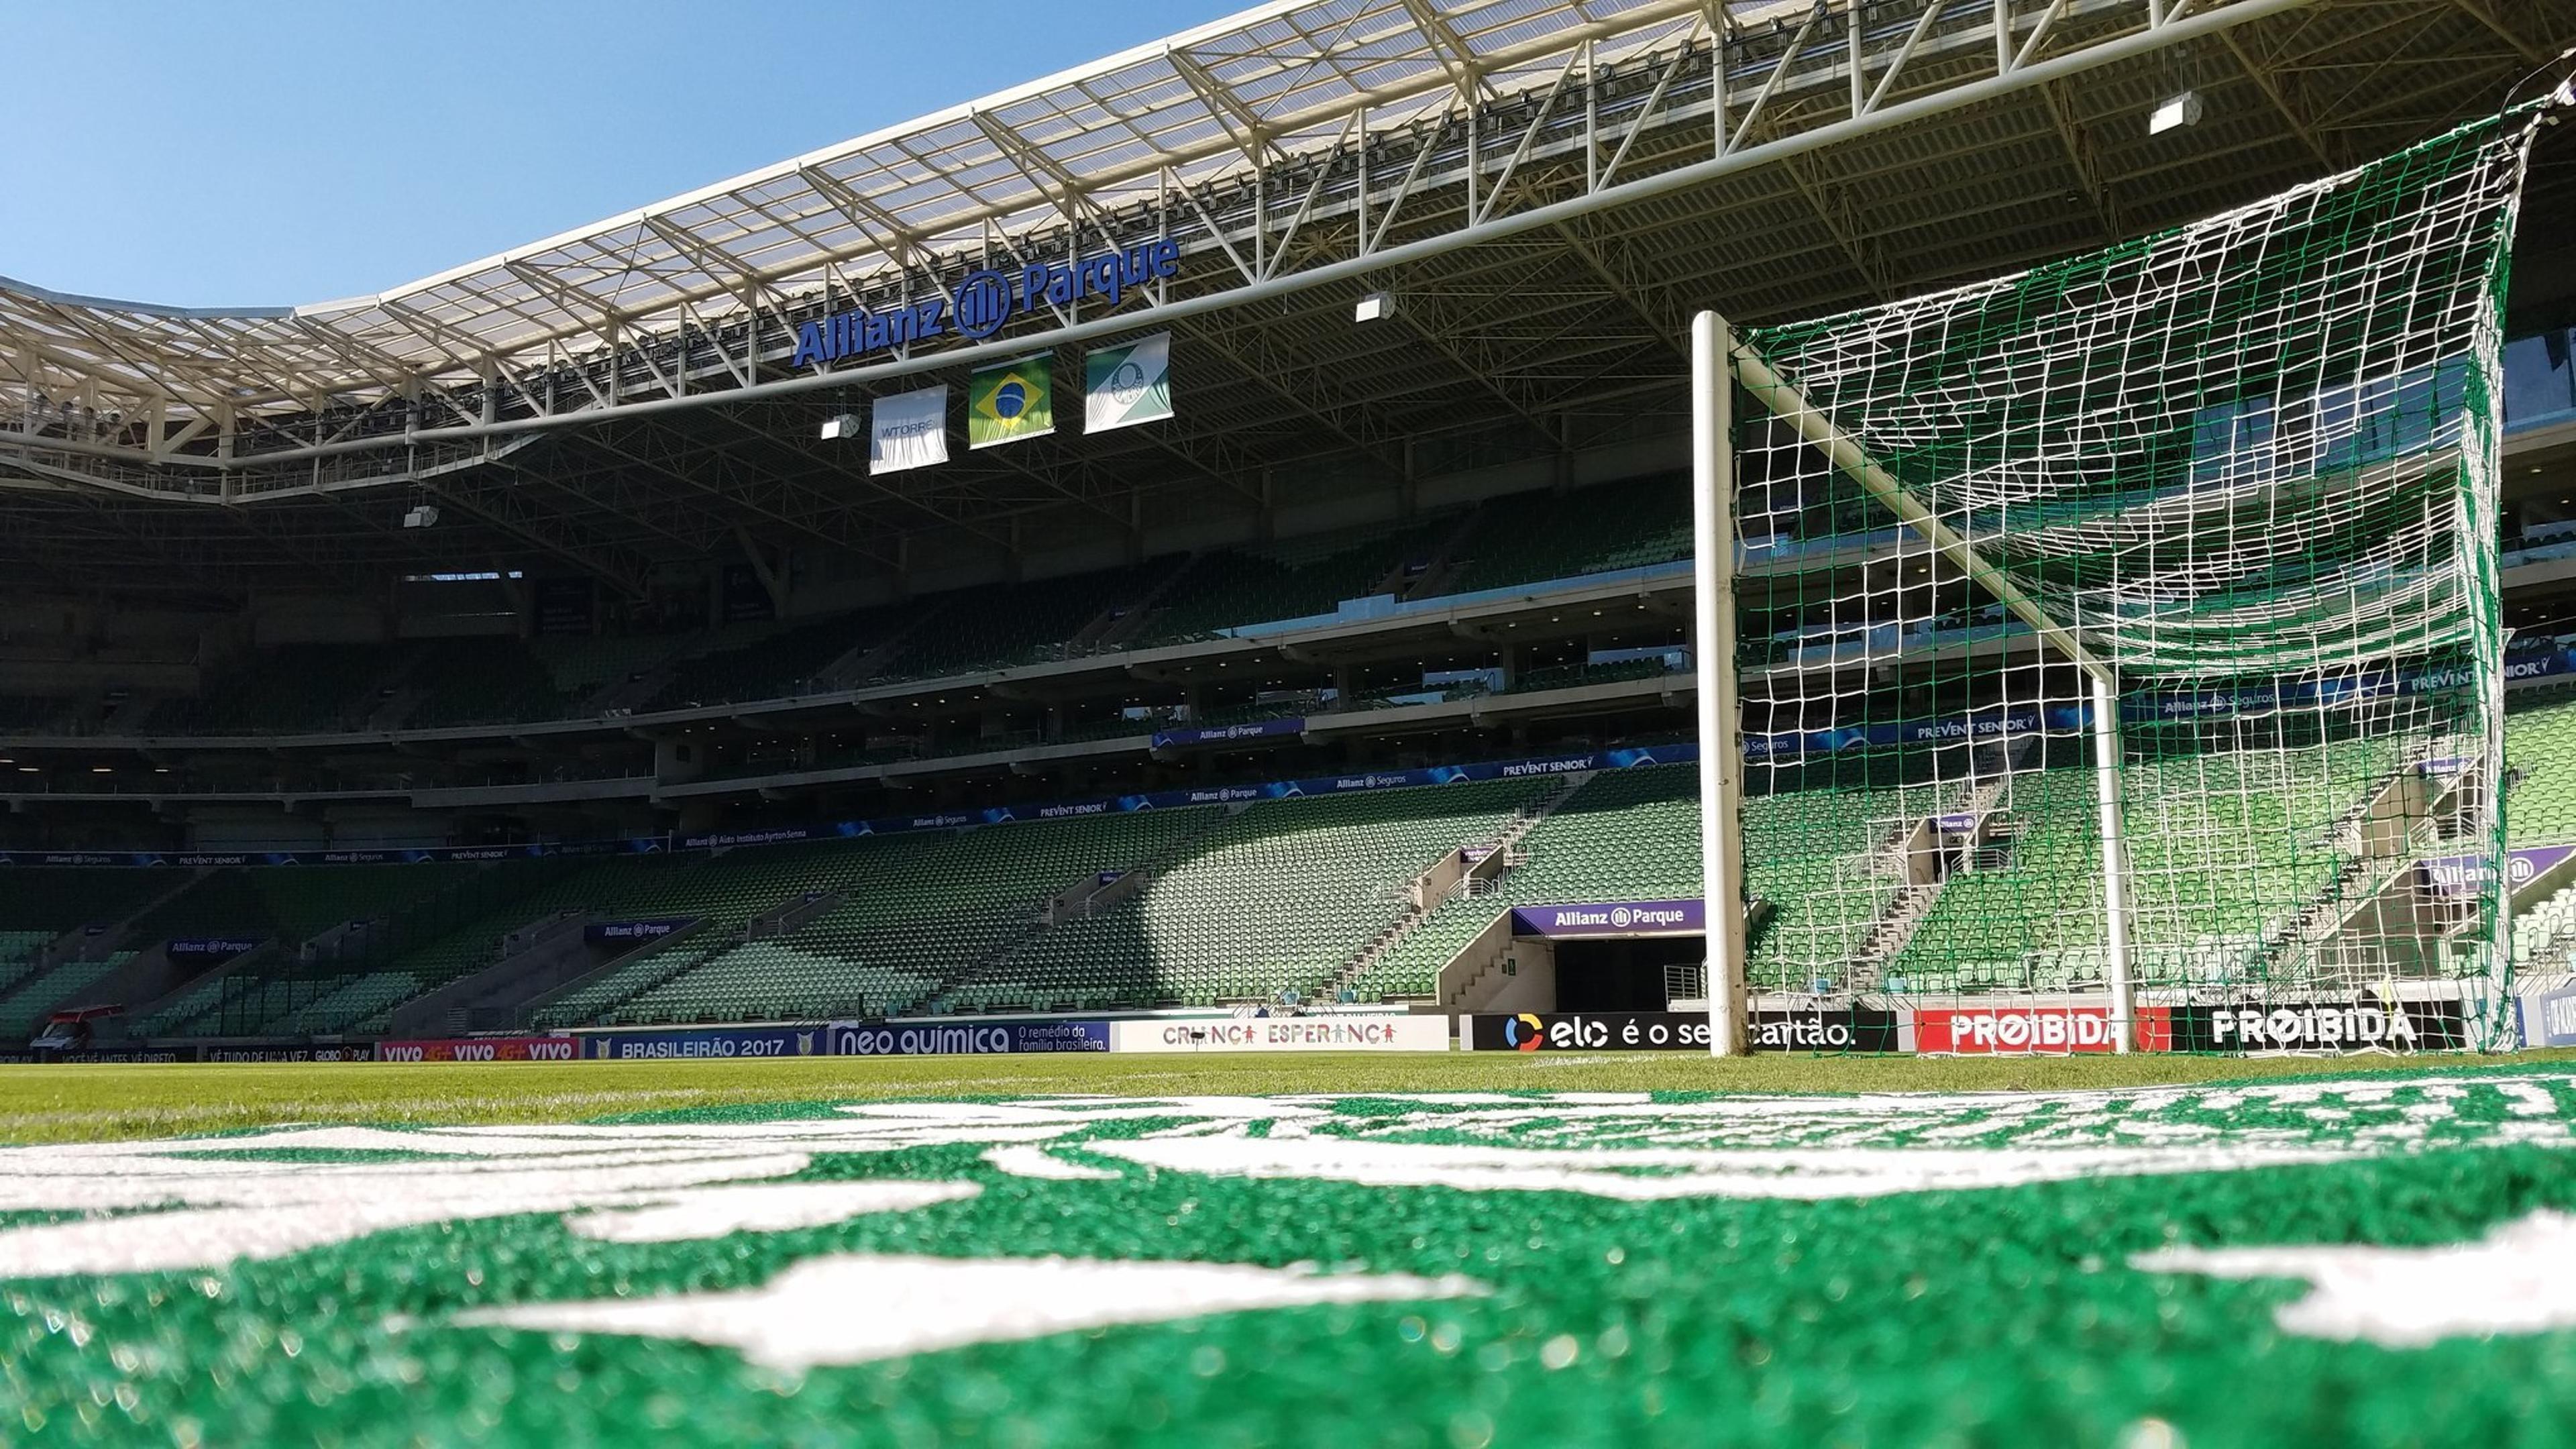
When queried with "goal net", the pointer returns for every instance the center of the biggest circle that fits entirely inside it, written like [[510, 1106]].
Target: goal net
[[2118, 643]]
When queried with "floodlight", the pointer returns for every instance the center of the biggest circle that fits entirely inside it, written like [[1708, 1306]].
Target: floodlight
[[841, 425], [2181, 110], [1375, 307]]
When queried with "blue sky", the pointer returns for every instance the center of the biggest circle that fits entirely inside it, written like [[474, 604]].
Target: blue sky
[[226, 154]]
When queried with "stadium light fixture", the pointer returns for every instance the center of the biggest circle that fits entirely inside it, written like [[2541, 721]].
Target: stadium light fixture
[[842, 425], [1375, 307], [424, 516], [2183, 109]]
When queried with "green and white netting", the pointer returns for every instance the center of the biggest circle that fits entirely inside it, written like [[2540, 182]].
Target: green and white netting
[[2249, 467]]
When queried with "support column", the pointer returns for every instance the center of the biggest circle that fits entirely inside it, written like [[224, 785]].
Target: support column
[[1721, 751]]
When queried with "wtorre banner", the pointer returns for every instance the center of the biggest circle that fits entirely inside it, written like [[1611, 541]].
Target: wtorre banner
[[909, 430]]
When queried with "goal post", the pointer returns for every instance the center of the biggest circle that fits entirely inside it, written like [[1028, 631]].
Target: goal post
[[2120, 642], [1713, 649]]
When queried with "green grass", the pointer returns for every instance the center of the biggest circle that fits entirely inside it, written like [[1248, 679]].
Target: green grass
[[98, 1103]]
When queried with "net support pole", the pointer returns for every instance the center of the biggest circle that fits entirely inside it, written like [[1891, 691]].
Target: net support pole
[[1852, 458], [1721, 725], [2115, 864]]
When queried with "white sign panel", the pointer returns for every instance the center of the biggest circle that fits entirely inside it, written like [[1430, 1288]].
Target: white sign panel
[[1336, 1033], [909, 430], [1127, 384]]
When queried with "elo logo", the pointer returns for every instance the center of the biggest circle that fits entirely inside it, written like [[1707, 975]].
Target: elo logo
[[1524, 1033]]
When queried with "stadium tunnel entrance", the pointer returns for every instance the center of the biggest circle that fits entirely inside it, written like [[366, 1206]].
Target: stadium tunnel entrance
[[1626, 974], [1607, 970]]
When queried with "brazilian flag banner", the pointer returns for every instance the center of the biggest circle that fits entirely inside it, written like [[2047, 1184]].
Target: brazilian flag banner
[[1010, 401]]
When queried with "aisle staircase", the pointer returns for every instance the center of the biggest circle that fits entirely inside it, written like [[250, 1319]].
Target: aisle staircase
[[1507, 846], [2378, 838], [1903, 914]]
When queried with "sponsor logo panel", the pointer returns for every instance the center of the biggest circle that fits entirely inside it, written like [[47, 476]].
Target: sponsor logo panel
[[2467, 875], [704, 1042], [2320, 1026], [645, 930], [2029, 1030], [1283, 1034], [349, 1052], [1847, 1029], [926, 1039], [480, 1049], [209, 948], [1610, 918]]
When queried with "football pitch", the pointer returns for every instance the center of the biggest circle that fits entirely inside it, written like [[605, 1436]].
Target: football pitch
[[1441, 1251]]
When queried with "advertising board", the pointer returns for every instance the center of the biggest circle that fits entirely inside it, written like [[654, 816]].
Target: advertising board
[[702, 1042], [1337, 1033], [480, 1049], [603, 932], [346, 1052], [1828, 1029], [1610, 918], [2319, 1026], [202, 949], [2030, 1030], [955, 1038]]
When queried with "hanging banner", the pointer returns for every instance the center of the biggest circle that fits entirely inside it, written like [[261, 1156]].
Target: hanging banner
[[1127, 384], [909, 430], [1010, 401]]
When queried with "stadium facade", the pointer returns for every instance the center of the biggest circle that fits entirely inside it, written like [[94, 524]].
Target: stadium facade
[[548, 643]]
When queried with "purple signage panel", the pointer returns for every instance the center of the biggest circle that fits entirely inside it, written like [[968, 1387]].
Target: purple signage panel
[[645, 930], [1219, 734], [2462, 875], [210, 948], [1610, 918]]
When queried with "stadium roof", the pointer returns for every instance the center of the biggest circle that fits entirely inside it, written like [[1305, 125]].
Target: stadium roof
[[1273, 83], [1549, 186]]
